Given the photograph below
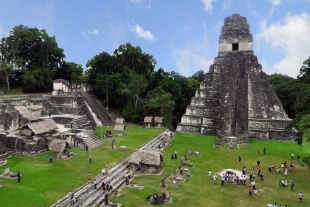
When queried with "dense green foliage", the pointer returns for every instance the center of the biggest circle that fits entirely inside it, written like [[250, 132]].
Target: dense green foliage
[[30, 58], [127, 80], [295, 97]]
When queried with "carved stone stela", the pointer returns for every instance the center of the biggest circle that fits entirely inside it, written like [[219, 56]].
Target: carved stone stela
[[235, 101]]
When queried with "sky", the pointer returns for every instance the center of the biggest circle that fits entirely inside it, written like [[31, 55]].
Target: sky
[[181, 35]]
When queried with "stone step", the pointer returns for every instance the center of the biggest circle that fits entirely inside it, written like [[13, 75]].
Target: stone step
[[88, 196]]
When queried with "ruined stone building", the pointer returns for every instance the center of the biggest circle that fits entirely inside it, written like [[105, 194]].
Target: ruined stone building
[[235, 101]]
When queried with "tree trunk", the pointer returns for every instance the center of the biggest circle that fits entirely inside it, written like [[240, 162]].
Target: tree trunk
[[7, 79]]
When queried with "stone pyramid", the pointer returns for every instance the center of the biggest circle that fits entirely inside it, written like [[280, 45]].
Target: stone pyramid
[[235, 101]]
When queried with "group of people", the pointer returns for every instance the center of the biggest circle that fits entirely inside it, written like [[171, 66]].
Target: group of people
[[174, 155], [252, 190]]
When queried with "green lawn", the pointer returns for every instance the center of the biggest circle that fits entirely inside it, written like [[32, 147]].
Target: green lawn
[[43, 183], [199, 190]]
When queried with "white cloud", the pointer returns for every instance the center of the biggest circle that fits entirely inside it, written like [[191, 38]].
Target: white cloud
[[145, 34], [275, 2], [192, 56], [141, 4], [208, 5], [93, 32], [289, 36]]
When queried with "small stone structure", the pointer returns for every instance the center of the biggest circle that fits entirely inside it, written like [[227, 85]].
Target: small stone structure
[[235, 99], [158, 121], [61, 86], [146, 158], [148, 120], [119, 124], [38, 128]]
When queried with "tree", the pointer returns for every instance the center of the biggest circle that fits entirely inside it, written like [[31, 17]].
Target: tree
[[304, 75], [8, 58], [159, 102], [199, 75], [287, 89], [102, 74], [38, 55]]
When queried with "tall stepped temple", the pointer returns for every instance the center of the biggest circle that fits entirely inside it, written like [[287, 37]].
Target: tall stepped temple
[[235, 101]]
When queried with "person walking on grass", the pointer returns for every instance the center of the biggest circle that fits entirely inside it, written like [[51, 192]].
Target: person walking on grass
[[90, 159], [214, 178], [18, 176], [88, 176], [300, 195], [51, 158], [292, 185]]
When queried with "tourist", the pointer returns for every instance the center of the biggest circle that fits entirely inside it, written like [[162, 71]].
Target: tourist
[[258, 171], [258, 152], [214, 178], [95, 183], [269, 168], [292, 156], [210, 174], [72, 199], [300, 196], [103, 186], [298, 158], [258, 162], [239, 159], [175, 155], [250, 190], [261, 174], [292, 185], [104, 171], [285, 172], [88, 176], [90, 159], [244, 180], [172, 155], [275, 205], [269, 205], [18, 176], [264, 150], [51, 158], [254, 193], [223, 179], [86, 148]]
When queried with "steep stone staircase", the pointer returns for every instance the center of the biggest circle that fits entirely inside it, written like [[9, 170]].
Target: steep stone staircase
[[87, 195], [90, 138], [97, 108]]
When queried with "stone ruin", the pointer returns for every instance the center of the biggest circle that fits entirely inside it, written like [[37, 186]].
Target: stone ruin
[[119, 125], [158, 198], [235, 101], [28, 123], [148, 120]]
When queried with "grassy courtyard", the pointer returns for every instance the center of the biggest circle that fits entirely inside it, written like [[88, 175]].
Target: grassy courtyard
[[199, 190], [43, 183]]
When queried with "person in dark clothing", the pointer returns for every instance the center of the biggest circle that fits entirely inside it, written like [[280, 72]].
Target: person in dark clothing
[[18, 176], [239, 159]]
